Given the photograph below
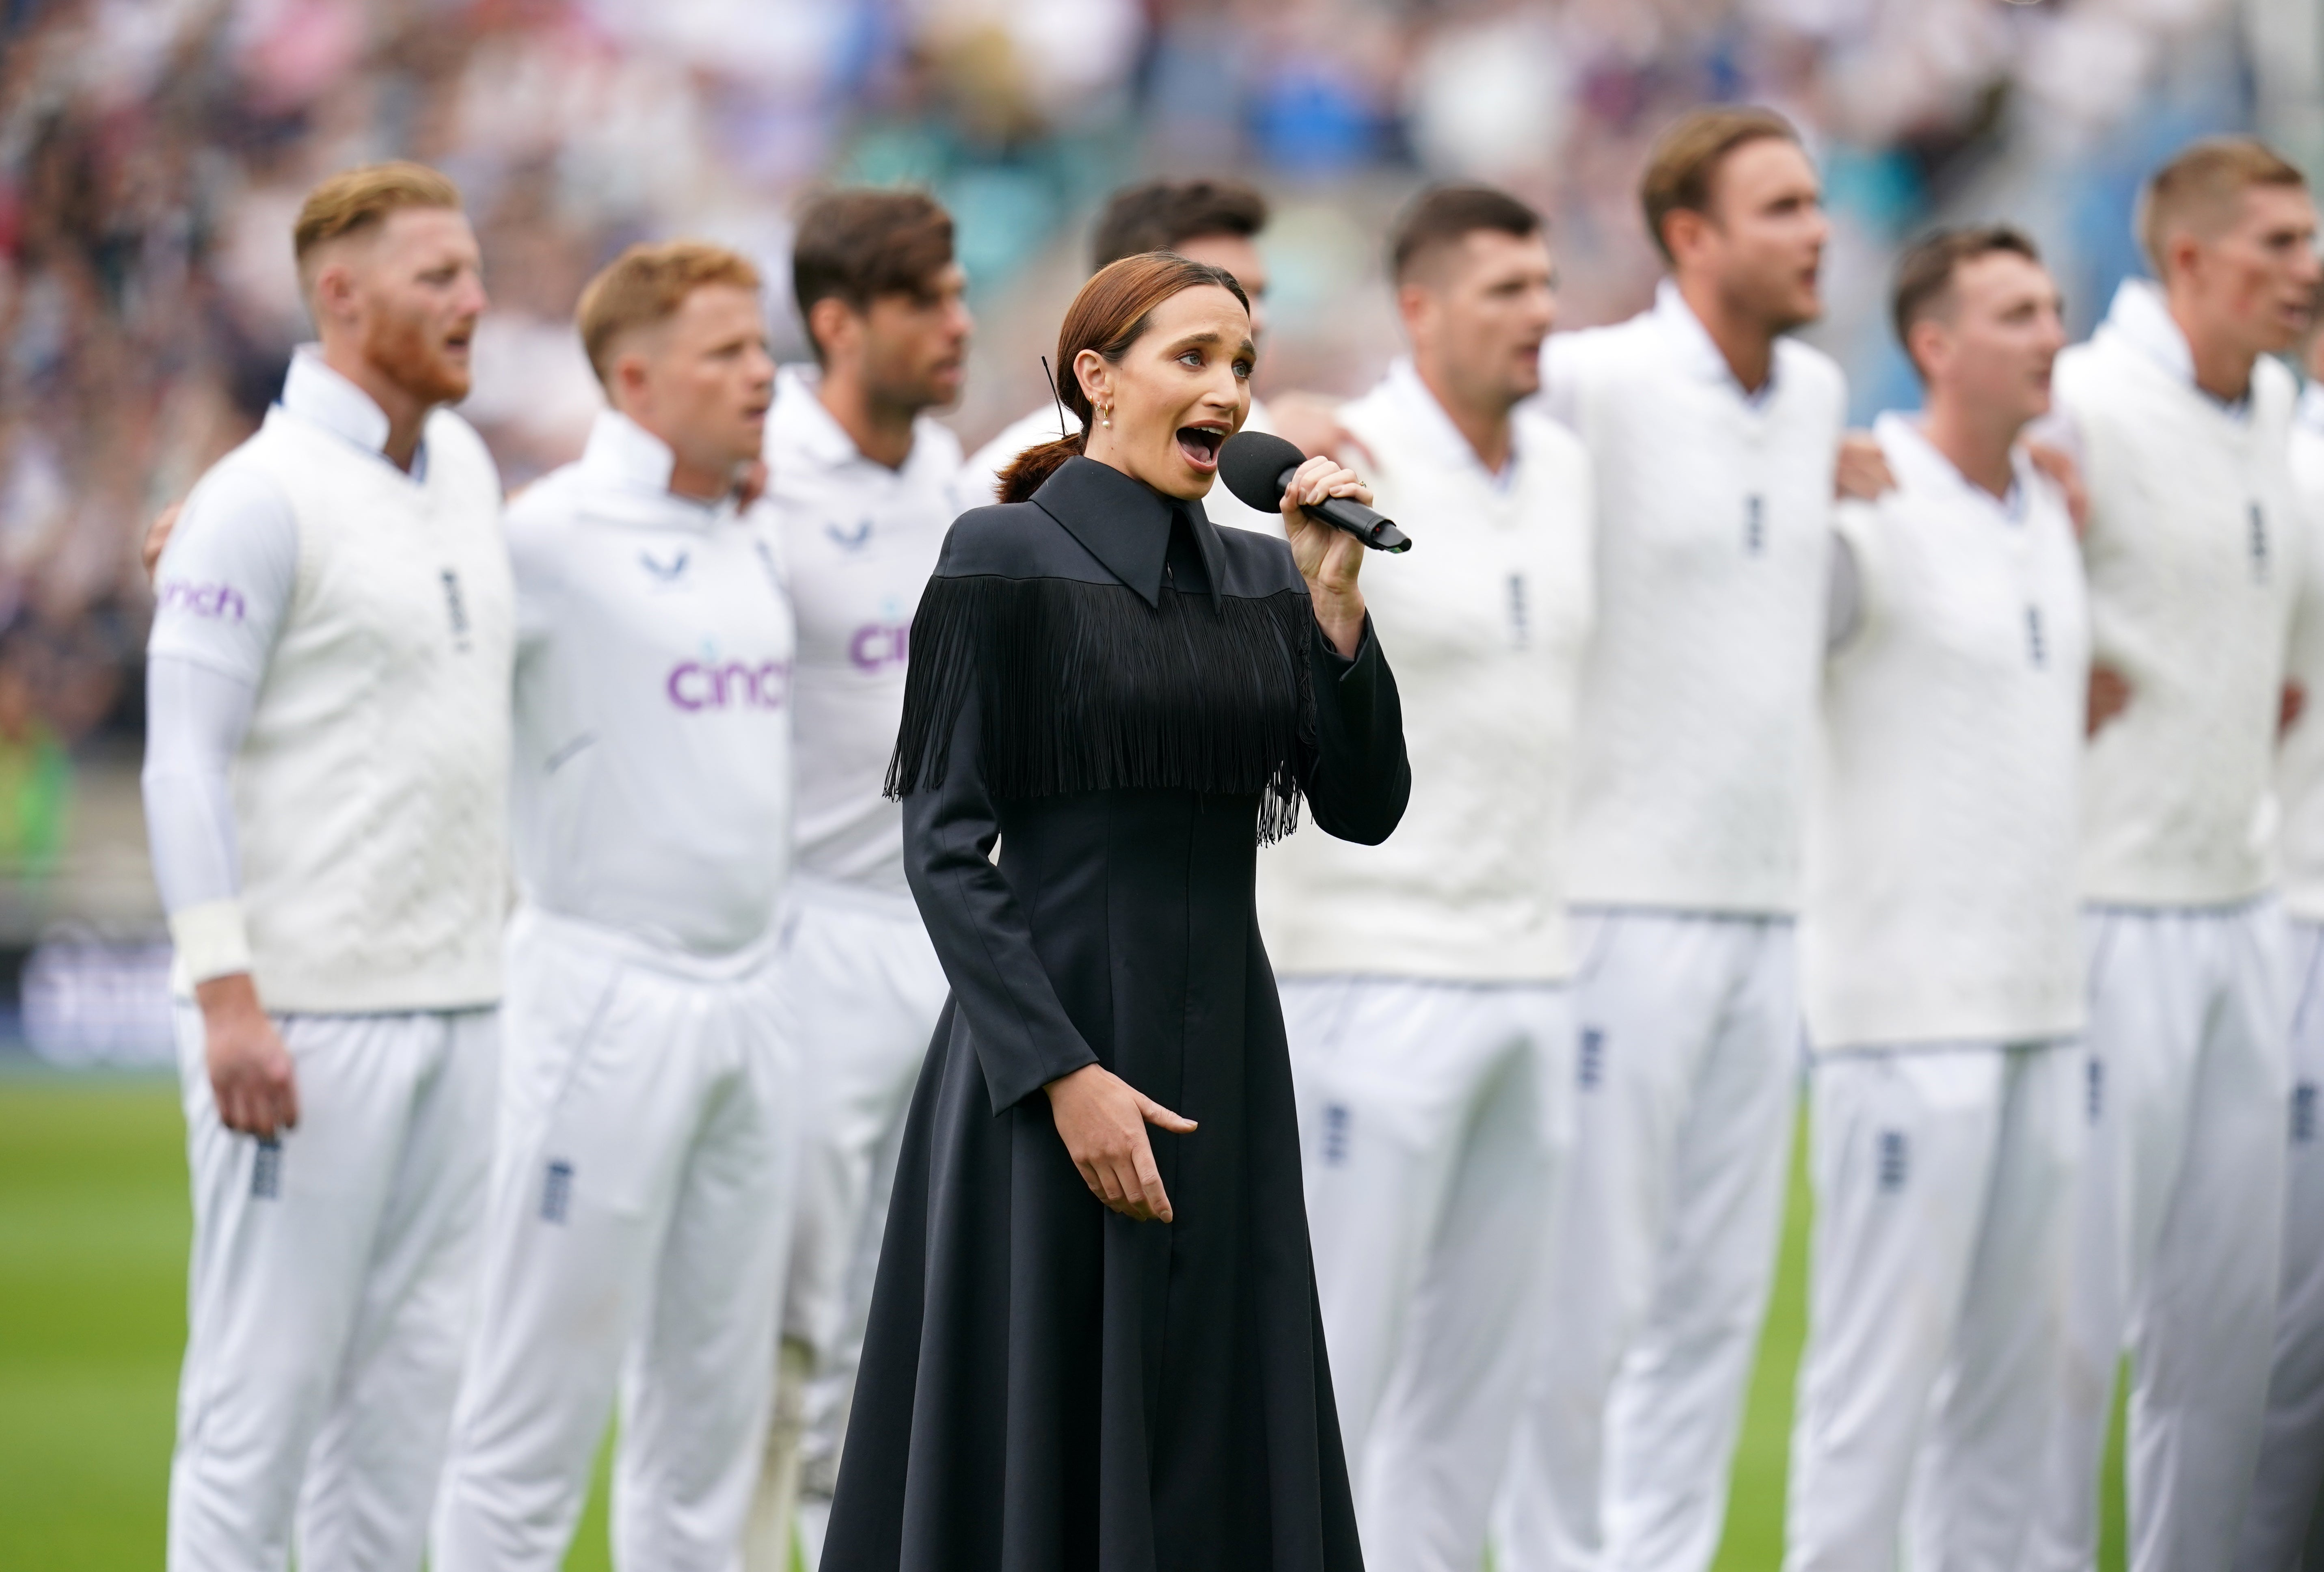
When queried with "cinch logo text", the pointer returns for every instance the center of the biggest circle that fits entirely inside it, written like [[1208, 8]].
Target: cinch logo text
[[728, 685], [879, 645], [219, 600]]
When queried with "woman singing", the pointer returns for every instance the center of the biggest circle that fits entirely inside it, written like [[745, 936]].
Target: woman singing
[[1131, 701]]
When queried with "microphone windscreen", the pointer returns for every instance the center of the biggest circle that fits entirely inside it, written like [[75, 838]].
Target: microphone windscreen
[[1253, 463]]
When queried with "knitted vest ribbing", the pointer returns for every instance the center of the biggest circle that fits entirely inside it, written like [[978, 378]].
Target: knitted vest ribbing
[[371, 793]]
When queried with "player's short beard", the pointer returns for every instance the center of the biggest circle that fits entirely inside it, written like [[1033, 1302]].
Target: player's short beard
[[890, 383], [407, 349], [1776, 310]]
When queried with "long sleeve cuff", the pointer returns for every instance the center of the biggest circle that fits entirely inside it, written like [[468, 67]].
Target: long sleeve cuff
[[211, 939]]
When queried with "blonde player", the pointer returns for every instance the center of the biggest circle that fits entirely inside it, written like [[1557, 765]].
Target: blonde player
[[645, 1145], [1713, 438], [326, 772], [1426, 981], [1940, 961], [862, 488], [2193, 556], [1217, 222], [2284, 1529]]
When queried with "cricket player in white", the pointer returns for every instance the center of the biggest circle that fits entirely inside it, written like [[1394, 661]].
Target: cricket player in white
[[862, 481], [2283, 1528], [1713, 439], [1424, 981], [1216, 222], [646, 1143], [1940, 959], [326, 775], [2193, 547]]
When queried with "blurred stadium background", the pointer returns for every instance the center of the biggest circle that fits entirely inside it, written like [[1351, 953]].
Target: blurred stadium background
[[153, 152]]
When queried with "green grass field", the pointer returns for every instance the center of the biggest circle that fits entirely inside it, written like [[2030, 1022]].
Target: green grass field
[[93, 1231]]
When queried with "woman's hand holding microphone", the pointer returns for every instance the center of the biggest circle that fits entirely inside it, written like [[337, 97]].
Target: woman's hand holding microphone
[[1329, 559]]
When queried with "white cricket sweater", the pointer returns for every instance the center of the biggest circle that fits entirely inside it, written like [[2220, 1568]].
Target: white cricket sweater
[[860, 541], [2193, 551], [1941, 903], [1485, 620], [2300, 766], [1713, 548], [369, 792], [653, 702]]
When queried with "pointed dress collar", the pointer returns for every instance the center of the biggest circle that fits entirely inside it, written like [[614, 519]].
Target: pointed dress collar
[[1125, 524]]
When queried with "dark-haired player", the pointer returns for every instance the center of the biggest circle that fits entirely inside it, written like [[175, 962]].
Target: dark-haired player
[[1941, 954], [862, 483], [1216, 222], [1435, 1073], [1713, 438]]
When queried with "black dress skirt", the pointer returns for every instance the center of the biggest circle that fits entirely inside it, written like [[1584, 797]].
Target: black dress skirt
[[1131, 701]]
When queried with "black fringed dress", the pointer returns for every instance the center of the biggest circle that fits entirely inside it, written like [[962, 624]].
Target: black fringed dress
[[1132, 701]]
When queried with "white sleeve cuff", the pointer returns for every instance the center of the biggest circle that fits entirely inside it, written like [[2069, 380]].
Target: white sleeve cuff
[[211, 939]]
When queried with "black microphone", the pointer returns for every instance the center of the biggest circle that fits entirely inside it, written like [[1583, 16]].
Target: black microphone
[[1255, 468]]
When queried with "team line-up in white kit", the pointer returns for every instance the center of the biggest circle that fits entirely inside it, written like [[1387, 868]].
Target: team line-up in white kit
[[1970, 750]]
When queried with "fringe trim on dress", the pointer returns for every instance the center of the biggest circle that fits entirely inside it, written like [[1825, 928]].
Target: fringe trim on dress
[[1083, 687]]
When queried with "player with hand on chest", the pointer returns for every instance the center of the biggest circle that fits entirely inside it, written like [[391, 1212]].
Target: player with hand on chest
[[1712, 437], [863, 488], [1941, 957], [641, 1182], [2181, 421], [1424, 979]]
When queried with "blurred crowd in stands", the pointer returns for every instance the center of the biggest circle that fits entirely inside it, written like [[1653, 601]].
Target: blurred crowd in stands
[[152, 152]]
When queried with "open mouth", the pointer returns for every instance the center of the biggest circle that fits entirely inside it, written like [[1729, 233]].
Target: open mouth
[[1200, 445]]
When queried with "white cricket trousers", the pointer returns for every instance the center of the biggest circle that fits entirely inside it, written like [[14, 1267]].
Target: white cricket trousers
[[635, 1236], [331, 1291], [1944, 1208], [1688, 1075], [865, 990], [1435, 1119], [2284, 1529], [2178, 1233]]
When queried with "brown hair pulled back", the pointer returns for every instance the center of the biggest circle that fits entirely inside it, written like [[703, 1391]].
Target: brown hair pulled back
[[1111, 314]]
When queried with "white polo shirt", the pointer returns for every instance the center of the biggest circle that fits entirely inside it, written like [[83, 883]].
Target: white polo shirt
[[1942, 898], [860, 541], [653, 701]]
